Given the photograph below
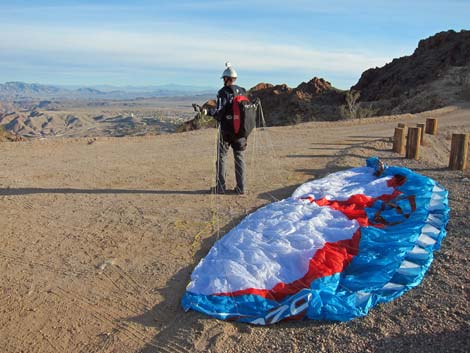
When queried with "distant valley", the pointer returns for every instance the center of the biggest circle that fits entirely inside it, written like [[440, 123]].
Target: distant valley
[[437, 74], [34, 118], [25, 91]]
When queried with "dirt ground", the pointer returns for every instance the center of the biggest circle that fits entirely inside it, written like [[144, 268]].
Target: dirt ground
[[98, 239]]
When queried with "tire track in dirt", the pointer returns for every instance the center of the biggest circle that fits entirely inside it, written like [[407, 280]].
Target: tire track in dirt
[[124, 284], [138, 288], [4, 301], [107, 341], [114, 274], [28, 262], [8, 348], [136, 296], [130, 283], [214, 337], [175, 338], [106, 317], [56, 347], [191, 334]]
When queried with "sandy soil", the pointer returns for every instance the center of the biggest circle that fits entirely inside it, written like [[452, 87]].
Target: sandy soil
[[98, 240]]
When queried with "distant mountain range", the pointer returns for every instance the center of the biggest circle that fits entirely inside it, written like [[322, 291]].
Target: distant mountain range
[[436, 74], [21, 90]]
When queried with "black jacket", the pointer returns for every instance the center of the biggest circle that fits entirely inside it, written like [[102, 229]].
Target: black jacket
[[223, 111]]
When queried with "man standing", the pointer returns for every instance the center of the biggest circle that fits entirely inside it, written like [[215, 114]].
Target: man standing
[[223, 113]]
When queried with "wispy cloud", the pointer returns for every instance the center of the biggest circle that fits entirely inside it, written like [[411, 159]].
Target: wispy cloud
[[185, 50], [269, 39]]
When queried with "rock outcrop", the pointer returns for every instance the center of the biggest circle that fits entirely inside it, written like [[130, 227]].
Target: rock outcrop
[[316, 99], [433, 76]]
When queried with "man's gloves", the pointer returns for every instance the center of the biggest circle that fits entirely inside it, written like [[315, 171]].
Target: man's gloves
[[198, 109]]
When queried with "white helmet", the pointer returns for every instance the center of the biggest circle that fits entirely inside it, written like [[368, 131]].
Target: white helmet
[[229, 71]]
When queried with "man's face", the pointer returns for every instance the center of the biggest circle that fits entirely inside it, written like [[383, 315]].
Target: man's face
[[228, 80]]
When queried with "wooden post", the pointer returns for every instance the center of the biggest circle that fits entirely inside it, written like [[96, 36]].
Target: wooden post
[[413, 142], [405, 129], [458, 152], [422, 133], [399, 140], [431, 126]]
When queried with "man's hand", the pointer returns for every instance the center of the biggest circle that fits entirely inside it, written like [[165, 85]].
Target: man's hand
[[196, 107]]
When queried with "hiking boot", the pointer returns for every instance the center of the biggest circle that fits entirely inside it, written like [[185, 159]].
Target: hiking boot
[[239, 191], [217, 190]]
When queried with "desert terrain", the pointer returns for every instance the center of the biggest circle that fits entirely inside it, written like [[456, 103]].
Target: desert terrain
[[66, 117], [99, 238]]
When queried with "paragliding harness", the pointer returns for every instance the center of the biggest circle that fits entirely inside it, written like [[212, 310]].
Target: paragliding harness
[[241, 117], [242, 121]]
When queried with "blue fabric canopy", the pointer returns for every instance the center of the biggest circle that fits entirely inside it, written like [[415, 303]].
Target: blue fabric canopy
[[332, 251]]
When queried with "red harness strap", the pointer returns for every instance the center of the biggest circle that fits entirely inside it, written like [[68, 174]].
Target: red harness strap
[[236, 112]]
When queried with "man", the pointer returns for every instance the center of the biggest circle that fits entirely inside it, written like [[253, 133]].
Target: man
[[223, 113]]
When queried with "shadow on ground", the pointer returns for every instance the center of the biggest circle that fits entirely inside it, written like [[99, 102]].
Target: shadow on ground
[[178, 331], [184, 332], [278, 194], [446, 341], [30, 191]]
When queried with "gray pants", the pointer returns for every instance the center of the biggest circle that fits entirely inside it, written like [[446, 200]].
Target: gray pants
[[238, 146]]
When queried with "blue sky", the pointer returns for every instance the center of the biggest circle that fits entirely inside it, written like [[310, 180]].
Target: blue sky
[[187, 42]]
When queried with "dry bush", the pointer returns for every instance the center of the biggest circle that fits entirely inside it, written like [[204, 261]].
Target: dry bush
[[295, 119], [466, 87], [352, 105], [353, 109]]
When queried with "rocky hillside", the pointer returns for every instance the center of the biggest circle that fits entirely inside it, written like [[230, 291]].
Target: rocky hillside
[[436, 74], [316, 99]]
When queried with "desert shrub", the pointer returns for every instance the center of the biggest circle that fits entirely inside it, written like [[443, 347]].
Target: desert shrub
[[294, 119], [365, 111], [199, 122], [343, 112], [352, 98], [360, 111], [466, 87], [351, 108]]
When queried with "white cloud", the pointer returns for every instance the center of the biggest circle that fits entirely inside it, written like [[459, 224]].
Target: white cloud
[[178, 49]]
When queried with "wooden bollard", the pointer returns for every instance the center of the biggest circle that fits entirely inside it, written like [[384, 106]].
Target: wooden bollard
[[399, 140], [422, 133], [431, 126], [403, 126], [413, 142], [458, 152]]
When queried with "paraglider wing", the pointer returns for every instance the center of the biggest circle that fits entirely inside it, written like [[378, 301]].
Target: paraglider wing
[[336, 248]]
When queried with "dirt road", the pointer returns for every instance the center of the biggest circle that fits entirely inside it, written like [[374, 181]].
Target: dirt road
[[98, 239]]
